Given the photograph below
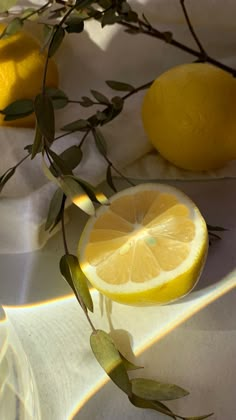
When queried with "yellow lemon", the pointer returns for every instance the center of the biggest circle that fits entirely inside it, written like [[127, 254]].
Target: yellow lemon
[[21, 72], [147, 247], [189, 116]]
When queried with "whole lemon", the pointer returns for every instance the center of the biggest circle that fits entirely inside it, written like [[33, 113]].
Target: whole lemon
[[21, 73], [189, 115]]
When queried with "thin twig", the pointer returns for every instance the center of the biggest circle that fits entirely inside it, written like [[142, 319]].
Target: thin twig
[[192, 31], [22, 160], [84, 138], [143, 28], [53, 36], [136, 90], [118, 172]]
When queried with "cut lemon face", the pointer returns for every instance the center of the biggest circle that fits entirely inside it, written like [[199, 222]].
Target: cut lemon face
[[147, 247]]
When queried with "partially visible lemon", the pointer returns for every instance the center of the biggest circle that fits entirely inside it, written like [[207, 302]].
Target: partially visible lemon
[[189, 116], [21, 73], [148, 247]]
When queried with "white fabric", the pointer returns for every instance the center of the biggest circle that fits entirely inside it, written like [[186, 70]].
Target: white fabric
[[85, 62]]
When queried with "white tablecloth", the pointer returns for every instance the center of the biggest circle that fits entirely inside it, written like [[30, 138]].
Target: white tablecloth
[[199, 355]]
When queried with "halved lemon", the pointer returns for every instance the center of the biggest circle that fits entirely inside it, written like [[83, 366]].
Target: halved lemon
[[147, 247]]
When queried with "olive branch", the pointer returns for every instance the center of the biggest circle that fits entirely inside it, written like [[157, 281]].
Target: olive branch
[[70, 17]]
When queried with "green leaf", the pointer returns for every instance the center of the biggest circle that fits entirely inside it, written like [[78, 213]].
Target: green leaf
[[131, 16], [105, 3], [38, 142], [86, 102], [101, 116], [44, 112], [129, 365], [76, 193], [109, 18], [71, 271], [117, 102], [153, 405], [125, 7], [5, 177], [54, 211], [109, 358], [216, 228], [100, 141], [12, 28], [100, 97], [110, 179], [78, 125], [124, 87], [56, 40], [59, 165], [153, 390], [47, 172], [74, 25], [6, 5], [94, 195], [20, 108], [59, 98], [72, 156]]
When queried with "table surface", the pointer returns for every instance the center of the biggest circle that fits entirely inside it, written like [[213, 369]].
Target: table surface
[[199, 355]]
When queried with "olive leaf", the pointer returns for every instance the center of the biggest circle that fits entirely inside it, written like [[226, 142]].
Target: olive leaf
[[110, 360], [59, 98], [18, 109], [71, 271], [153, 405], [5, 177], [117, 102], [59, 166], [119, 86], [48, 173], [12, 28], [100, 97], [77, 194], [94, 195], [38, 142], [100, 141], [109, 18], [44, 112], [129, 365], [216, 228], [56, 41], [75, 25], [153, 390], [109, 178], [86, 102], [72, 156], [54, 211], [78, 125]]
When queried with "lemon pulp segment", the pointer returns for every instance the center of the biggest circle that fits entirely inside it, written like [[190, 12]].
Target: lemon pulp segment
[[144, 241]]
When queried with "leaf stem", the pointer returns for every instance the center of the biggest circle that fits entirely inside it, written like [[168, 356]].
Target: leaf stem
[[118, 172], [22, 160], [136, 90], [192, 31], [84, 138]]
